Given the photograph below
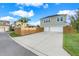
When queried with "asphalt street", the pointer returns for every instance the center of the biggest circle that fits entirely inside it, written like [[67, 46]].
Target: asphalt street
[[10, 48]]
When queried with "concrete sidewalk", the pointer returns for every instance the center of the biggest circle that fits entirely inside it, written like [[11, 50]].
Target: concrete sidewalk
[[44, 43]]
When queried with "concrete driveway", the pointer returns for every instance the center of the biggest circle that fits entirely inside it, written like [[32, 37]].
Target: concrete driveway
[[10, 48], [47, 43]]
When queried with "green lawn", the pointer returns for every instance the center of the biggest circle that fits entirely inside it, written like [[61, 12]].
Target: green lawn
[[13, 34], [71, 43]]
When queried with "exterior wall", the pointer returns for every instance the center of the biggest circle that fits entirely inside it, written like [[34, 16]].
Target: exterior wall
[[1, 29], [17, 23], [21, 25], [53, 21], [41, 23], [4, 28], [56, 23]]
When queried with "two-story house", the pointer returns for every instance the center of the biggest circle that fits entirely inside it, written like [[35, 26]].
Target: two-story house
[[53, 23], [4, 25]]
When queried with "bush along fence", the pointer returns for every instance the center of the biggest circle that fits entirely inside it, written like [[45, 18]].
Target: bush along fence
[[68, 29]]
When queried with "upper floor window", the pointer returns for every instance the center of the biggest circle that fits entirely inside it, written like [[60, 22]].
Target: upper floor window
[[61, 18], [58, 19], [46, 20]]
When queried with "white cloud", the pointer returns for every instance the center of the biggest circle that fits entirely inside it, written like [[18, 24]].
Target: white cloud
[[34, 23], [68, 12], [31, 13], [8, 18], [45, 6], [31, 4], [34, 4], [23, 13]]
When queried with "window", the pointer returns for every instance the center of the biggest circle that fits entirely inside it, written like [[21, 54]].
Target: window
[[46, 20], [57, 19], [61, 18], [49, 19]]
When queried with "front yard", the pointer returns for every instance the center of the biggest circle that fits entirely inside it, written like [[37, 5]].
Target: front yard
[[71, 43], [13, 34]]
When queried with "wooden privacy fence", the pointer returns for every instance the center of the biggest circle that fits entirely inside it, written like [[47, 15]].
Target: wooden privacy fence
[[68, 29], [25, 31]]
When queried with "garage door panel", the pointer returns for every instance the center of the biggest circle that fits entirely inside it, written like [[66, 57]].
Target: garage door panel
[[46, 29], [56, 29], [53, 29], [1, 29]]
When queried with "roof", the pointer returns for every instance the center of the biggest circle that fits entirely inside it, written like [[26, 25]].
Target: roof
[[4, 22], [54, 15]]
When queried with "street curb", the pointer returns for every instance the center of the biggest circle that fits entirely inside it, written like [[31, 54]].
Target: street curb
[[28, 47]]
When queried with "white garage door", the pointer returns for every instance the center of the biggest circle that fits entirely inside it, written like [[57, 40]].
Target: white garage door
[[46, 28], [53, 29], [1, 29]]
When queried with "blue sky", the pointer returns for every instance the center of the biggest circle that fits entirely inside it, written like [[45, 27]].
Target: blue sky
[[35, 11]]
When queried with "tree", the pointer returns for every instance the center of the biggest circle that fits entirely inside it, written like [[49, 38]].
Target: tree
[[75, 23], [24, 19]]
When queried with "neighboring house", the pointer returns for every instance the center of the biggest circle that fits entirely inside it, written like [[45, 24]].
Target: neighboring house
[[53, 23], [4, 25], [20, 24]]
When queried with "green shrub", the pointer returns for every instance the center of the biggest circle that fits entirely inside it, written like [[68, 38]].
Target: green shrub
[[13, 34]]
